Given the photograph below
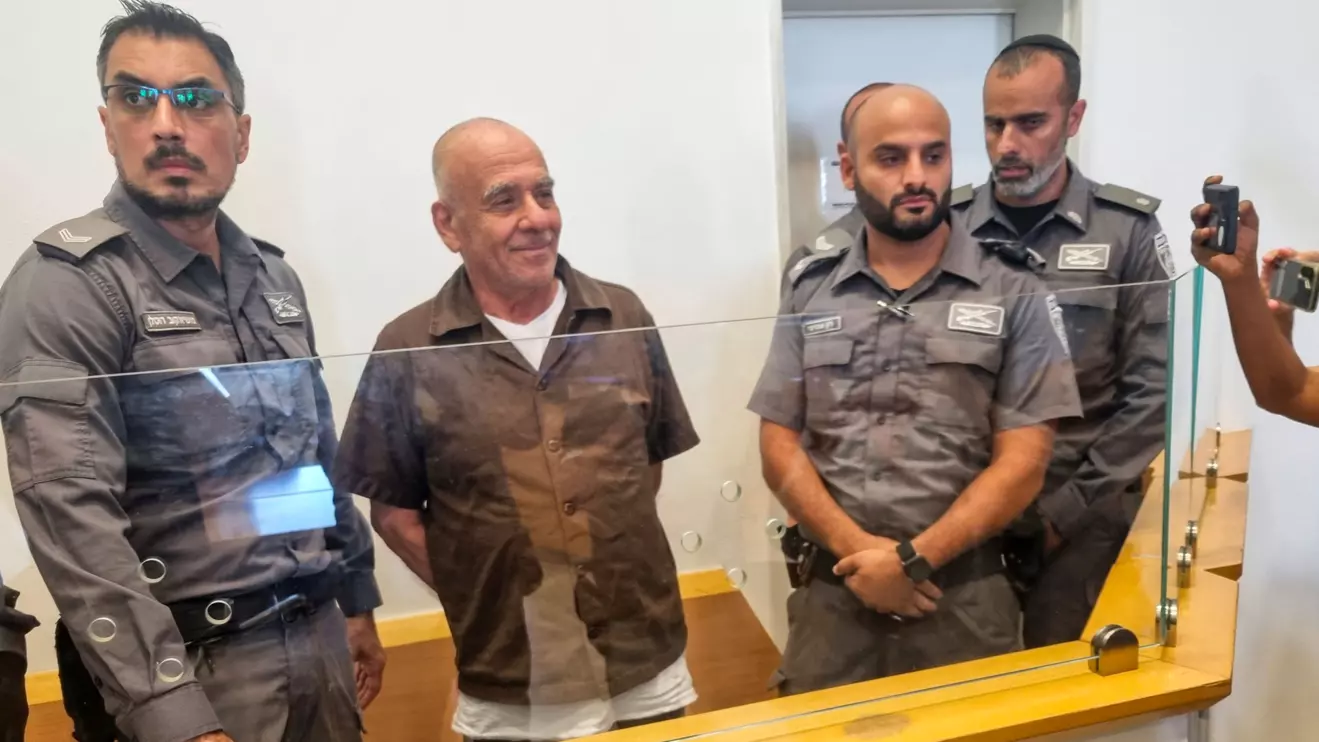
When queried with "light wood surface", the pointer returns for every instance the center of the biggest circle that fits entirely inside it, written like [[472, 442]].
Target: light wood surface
[[1233, 458]]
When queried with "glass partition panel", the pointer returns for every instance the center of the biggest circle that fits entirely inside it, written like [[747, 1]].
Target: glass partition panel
[[611, 523]]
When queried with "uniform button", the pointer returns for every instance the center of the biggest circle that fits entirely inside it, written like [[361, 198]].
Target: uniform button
[[568, 509], [886, 367], [542, 385], [880, 418], [553, 445], [594, 632]]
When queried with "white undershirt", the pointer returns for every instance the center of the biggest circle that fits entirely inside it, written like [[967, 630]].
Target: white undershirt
[[670, 690], [533, 338]]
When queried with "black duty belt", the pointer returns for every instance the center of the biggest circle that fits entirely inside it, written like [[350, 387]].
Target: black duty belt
[[207, 619], [981, 562]]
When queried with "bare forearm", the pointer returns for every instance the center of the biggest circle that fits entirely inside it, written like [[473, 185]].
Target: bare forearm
[[405, 535], [792, 477], [992, 501], [1273, 370]]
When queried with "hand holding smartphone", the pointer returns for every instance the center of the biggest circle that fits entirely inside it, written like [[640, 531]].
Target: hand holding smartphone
[[1224, 201], [1295, 283]]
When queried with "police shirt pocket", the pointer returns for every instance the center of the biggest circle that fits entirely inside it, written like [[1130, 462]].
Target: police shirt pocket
[[185, 399], [826, 365], [43, 404], [961, 373], [1089, 316]]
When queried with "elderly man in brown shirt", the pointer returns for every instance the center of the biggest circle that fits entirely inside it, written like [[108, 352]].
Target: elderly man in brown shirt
[[509, 433]]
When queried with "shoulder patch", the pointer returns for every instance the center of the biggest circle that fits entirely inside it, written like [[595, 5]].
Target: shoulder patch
[[268, 247], [811, 263], [962, 195], [1134, 200], [74, 239]]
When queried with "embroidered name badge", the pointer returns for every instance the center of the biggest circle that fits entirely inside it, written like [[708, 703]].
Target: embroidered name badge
[[822, 326], [1083, 257], [978, 318], [284, 308], [163, 322]]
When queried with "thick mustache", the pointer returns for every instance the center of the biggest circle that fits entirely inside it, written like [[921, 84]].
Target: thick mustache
[[156, 160], [900, 200]]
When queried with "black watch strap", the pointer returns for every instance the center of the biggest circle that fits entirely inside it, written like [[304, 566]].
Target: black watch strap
[[915, 565]]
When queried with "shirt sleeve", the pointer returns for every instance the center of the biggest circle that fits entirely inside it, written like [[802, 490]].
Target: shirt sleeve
[[350, 538], [61, 332], [379, 457], [1133, 434], [1037, 382], [669, 430], [779, 396]]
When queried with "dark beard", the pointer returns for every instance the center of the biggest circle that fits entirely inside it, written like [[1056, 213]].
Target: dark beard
[[884, 221], [172, 208]]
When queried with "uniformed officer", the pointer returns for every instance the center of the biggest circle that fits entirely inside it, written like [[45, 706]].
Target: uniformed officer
[[908, 407], [176, 498], [14, 626], [840, 232], [1101, 250], [836, 236]]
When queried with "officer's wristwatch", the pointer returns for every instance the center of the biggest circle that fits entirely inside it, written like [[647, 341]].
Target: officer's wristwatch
[[917, 569]]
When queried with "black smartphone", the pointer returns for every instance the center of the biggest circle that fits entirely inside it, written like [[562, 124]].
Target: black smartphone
[[1295, 283], [1225, 200]]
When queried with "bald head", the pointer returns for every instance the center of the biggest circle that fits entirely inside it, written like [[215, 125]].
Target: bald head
[[469, 142], [853, 103], [496, 208], [897, 107], [899, 162]]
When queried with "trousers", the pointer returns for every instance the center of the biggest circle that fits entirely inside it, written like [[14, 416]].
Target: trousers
[[279, 682], [834, 639], [1058, 606]]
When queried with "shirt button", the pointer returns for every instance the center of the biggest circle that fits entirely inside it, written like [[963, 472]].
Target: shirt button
[[553, 445], [568, 509]]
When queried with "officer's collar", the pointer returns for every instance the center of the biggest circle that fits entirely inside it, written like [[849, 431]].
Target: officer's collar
[[961, 257], [1073, 205], [163, 250], [456, 307]]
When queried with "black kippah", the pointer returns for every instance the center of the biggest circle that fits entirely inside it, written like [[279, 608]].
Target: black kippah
[[1045, 40]]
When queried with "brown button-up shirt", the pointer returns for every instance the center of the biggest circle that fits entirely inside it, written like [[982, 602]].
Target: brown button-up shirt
[[538, 486]]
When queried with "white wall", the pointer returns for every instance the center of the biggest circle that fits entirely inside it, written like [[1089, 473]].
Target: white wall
[[658, 119], [1178, 95], [827, 59]]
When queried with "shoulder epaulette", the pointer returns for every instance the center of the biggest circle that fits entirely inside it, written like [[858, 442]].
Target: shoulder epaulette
[[811, 263], [74, 239], [268, 247], [962, 195], [1134, 200]]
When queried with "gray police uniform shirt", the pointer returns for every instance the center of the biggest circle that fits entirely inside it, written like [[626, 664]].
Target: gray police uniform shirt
[[144, 489], [898, 407], [1109, 263], [835, 237]]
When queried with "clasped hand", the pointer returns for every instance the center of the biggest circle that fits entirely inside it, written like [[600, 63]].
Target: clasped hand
[[876, 577]]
